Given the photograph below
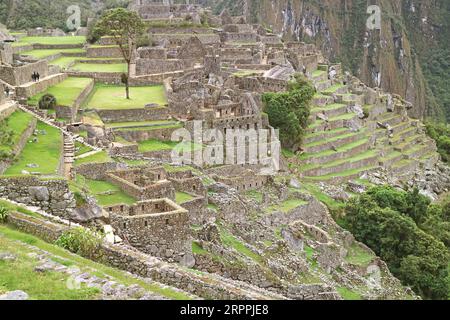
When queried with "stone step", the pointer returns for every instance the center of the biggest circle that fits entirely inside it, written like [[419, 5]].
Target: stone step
[[368, 158], [390, 158], [343, 176], [323, 85], [319, 75], [334, 142], [330, 110], [420, 150], [336, 89], [319, 136], [401, 127], [346, 151], [321, 100], [404, 136], [333, 123]]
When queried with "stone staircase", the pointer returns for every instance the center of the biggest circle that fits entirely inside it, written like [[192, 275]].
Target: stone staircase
[[334, 151], [42, 117]]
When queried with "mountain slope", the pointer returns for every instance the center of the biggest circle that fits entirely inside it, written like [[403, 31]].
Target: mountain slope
[[407, 57]]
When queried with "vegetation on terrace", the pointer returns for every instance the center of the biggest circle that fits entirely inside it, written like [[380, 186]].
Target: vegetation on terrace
[[415, 237], [65, 92], [45, 153], [20, 274], [100, 67], [113, 98], [289, 111], [11, 130]]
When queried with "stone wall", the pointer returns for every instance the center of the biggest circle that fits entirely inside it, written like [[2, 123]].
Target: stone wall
[[18, 147], [37, 87], [43, 229], [157, 227], [6, 53], [70, 112], [97, 171], [123, 257], [52, 196], [152, 66], [17, 76], [127, 115], [139, 135], [104, 51]]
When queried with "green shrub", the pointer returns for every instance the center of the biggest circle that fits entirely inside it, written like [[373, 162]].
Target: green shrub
[[289, 111], [407, 232], [440, 132], [80, 241], [47, 102], [4, 212]]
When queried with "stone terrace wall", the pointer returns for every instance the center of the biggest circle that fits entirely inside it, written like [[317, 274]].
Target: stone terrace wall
[[52, 196], [151, 66], [37, 87], [144, 114], [97, 171], [4, 164], [142, 135], [203, 285], [165, 235], [105, 51], [17, 76]]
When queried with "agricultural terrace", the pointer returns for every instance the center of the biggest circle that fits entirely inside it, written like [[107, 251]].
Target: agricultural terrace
[[113, 97], [40, 155], [65, 92]]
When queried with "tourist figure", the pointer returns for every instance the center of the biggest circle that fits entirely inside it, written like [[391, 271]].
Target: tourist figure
[[7, 91], [33, 76], [38, 76]]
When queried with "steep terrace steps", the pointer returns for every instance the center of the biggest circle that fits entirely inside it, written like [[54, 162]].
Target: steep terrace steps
[[401, 127], [64, 131], [390, 158], [331, 124], [404, 135], [366, 158], [343, 176], [323, 85], [330, 110], [321, 100], [391, 119], [319, 75], [418, 151], [342, 152], [334, 142], [405, 144], [336, 89], [319, 136]]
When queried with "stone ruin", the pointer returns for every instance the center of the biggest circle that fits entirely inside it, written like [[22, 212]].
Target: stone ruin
[[158, 227]]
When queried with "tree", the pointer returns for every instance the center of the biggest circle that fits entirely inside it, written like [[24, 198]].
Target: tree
[[125, 27]]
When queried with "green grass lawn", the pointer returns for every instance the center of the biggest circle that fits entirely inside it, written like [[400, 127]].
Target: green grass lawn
[[182, 197], [113, 97], [348, 294], [54, 40], [287, 205], [358, 256], [51, 288], [100, 157], [63, 62], [106, 193], [65, 92], [16, 123], [82, 149], [118, 125], [41, 54], [157, 145], [100, 67], [45, 153]]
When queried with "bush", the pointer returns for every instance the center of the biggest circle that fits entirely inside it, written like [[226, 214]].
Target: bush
[[80, 241], [440, 132], [47, 102], [4, 212], [407, 232], [289, 111]]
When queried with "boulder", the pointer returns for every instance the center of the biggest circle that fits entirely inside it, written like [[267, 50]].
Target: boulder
[[39, 193], [14, 295]]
